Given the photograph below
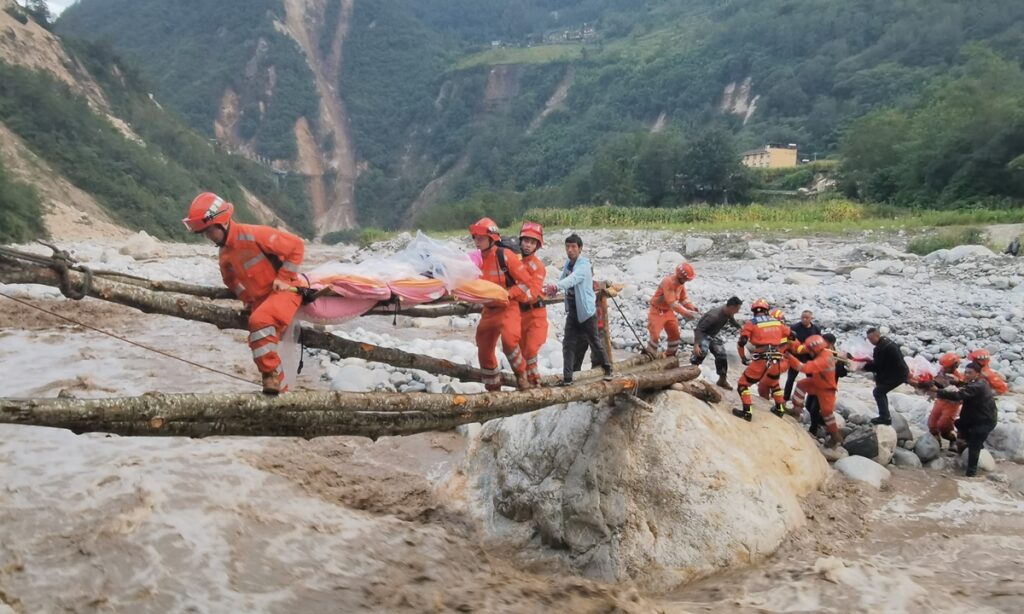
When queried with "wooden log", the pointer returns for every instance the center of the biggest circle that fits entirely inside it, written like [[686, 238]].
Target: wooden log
[[222, 316], [312, 414], [176, 287]]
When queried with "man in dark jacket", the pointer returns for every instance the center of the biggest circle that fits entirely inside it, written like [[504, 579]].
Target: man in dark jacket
[[890, 371], [801, 330], [977, 415], [705, 337]]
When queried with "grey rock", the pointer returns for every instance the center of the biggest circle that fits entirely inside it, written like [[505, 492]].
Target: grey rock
[[696, 246], [862, 441], [905, 458], [927, 448], [1008, 334], [939, 464], [902, 427], [887, 440]]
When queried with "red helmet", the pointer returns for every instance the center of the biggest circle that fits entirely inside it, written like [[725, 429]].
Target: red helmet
[[485, 227], [685, 272], [949, 360], [779, 315], [760, 305], [206, 210], [815, 344], [533, 230], [980, 356]]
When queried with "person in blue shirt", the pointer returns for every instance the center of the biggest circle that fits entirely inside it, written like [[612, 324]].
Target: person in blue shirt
[[577, 282]]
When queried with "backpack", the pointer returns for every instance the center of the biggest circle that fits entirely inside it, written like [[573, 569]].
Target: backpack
[[503, 264]]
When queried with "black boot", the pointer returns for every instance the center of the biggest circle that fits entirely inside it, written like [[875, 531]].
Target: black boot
[[881, 420], [744, 413], [779, 410]]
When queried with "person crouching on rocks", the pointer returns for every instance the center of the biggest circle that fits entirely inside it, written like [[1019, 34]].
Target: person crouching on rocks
[[811, 403], [977, 413], [944, 411], [705, 338], [668, 301]]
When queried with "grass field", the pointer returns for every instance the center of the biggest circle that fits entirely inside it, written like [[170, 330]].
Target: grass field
[[541, 54]]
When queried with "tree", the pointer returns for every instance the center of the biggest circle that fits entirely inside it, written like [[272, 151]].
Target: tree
[[711, 170], [40, 12]]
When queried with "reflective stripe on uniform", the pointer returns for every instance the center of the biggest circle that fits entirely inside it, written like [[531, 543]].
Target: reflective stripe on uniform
[[262, 333], [526, 291], [239, 289], [245, 237], [263, 351], [253, 261], [288, 266], [532, 361]]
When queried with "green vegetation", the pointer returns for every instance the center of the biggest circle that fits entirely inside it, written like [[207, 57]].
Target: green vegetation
[[946, 240], [957, 144], [542, 54], [358, 236], [828, 215], [194, 51], [21, 217], [416, 72]]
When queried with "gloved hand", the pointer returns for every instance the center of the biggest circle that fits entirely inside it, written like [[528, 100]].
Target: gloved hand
[[745, 361]]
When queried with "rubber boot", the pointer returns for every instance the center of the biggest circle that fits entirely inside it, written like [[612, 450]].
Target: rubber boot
[[272, 383], [744, 413], [523, 382], [779, 410], [835, 440], [723, 383]]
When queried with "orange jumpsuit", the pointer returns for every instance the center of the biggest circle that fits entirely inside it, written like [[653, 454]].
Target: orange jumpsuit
[[769, 336], [944, 412], [996, 381], [251, 258], [764, 389], [503, 321], [668, 300], [820, 381], [534, 318]]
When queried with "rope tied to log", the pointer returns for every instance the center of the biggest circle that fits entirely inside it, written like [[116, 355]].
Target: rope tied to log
[[60, 261]]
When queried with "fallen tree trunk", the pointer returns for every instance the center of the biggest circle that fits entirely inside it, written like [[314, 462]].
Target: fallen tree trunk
[[311, 414], [221, 316], [176, 287]]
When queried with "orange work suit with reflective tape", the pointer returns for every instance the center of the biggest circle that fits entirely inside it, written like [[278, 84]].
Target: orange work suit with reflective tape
[[996, 381], [504, 322], [820, 382], [941, 422], [768, 336], [668, 300], [534, 318], [251, 258]]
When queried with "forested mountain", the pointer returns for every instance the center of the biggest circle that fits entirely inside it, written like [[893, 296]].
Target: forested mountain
[[83, 137], [393, 110]]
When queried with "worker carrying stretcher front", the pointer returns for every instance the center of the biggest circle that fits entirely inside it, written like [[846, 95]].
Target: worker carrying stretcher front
[[260, 265], [502, 266]]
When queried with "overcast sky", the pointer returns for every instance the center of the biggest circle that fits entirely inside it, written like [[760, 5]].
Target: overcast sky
[[58, 6]]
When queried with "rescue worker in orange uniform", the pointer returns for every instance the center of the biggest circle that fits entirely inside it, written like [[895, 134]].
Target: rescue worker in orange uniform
[[996, 381], [260, 265], [503, 267], [819, 381], [534, 315], [769, 337], [668, 300], [764, 389], [941, 422]]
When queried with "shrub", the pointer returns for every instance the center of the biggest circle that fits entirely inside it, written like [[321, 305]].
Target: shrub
[[946, 240]]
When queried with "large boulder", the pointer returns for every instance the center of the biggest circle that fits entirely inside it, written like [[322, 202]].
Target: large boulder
[[796, 245], [887, 440], [905, 458], [863, 274], [141, 246], [801, 279], [695, 246], [985, 460], [902, 427], [658, 497], [643, 266], [927, 448], [862, 441], [1009, 440], [668, 261], [968, 252], [863, 470]]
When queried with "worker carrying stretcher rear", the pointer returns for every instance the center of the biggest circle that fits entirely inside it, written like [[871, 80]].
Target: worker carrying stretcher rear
[[260, 265]]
